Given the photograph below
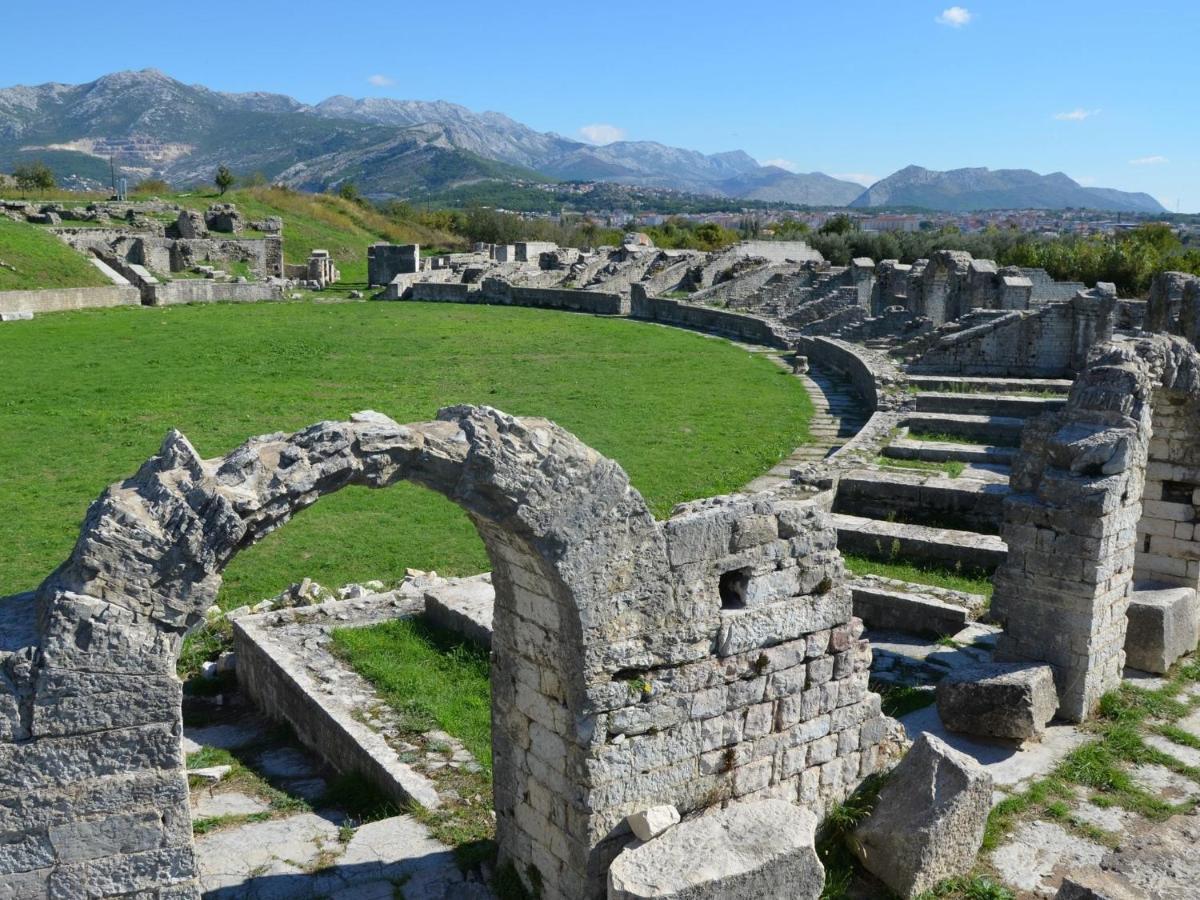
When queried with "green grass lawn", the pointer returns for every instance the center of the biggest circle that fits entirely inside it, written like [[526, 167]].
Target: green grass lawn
[[936, 576], [39, 260], [89, 395], [433, 678]]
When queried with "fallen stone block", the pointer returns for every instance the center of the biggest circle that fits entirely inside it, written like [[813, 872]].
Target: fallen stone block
[[16, 316], [761, 849], [1003, 700], [1163, 625], [1098, 885], [211, 773], [649, 824], [928, 823]]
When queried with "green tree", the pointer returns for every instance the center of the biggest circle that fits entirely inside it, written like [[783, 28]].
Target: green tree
[[35, 176], [349, 191], [224, 179], [839, 224]]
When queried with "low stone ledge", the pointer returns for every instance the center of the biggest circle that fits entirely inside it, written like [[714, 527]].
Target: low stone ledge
[[464, 606], [1014, 701], [278, 666], [760, 849], [1162, 626], [880, 606], [918, 543]]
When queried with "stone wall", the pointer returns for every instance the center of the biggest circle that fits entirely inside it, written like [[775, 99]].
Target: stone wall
[[495, 290], [1072, 522], [703, 318], [1050, 342], [1174, 305], [60, 299], [842, 357], [203, 290], [445, 292], [709, 657], [386, 261]]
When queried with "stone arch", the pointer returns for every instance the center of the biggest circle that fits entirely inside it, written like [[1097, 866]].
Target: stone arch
[[944, 286], [554, 516], [1086, 509], [623, 676]]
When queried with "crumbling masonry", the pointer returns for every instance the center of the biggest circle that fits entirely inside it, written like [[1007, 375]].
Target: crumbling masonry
[[1105, 496], [636, 663]]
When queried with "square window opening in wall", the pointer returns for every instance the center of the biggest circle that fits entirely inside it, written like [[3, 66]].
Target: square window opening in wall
[[1177, 492], [733, 587]]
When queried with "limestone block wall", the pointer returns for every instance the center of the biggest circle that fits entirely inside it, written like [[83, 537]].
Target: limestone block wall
[[1174, 305], [703, 318], [61, 299], [1072, 521], [386, 261], [198, 290], [1049, 342], [1168, 541], [709, 657], [448, 292], [497, 290]]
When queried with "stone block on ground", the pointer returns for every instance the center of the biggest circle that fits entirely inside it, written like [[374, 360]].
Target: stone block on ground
[[760, 849], [1096, 885], [928, 823], [1163, 625], [1003, 700], [464, 606], [650, 823]]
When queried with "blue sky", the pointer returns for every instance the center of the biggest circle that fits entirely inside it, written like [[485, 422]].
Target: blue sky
[[1107, 92]]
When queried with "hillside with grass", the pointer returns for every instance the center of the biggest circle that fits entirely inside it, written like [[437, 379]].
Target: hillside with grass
[[33, 259], [343, 227]]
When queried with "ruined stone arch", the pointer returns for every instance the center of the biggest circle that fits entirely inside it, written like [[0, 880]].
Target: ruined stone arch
[[552, 513], [1087, 498], [944, 283], [626, 673]]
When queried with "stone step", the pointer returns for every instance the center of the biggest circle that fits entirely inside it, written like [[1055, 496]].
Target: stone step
[[999, 430], [895, 607], [944, 451], [989, 385], [916, 544], [932, 499], [986, 404]]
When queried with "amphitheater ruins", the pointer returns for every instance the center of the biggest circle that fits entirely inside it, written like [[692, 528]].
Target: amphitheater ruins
[[677, 705]]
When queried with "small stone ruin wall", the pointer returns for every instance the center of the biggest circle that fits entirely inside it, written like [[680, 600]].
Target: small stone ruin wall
[[704, 318], [1077, 529], [1050, 342], [635, 663]]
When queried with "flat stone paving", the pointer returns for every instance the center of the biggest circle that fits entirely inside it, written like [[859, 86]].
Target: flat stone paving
[[1150, 859], [313, 849]]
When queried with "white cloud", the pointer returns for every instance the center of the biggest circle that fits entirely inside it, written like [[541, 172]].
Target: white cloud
[[860, 177], [954, 17], [1148, 161], [381, 80], [600, 133], [1086, 180], [782, 164], [1076, 115]]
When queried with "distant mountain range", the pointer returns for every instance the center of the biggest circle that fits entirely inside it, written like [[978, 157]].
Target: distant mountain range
[[153, 125], [963, 190]]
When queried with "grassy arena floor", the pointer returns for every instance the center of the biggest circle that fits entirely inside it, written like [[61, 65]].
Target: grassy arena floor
[[89, 395]]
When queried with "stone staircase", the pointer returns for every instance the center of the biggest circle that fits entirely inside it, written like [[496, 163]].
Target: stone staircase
[[838, 415]]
